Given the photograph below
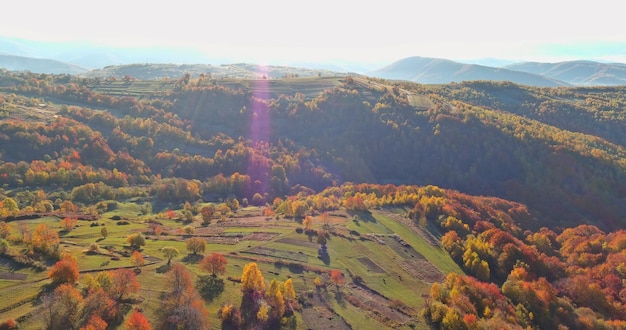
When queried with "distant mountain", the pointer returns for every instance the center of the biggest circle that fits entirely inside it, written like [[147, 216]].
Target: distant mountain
[[581, 73], [93, 56], [38, 65], [441, 71]]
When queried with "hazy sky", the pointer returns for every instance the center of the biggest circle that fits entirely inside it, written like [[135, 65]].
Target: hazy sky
[[354, 31]]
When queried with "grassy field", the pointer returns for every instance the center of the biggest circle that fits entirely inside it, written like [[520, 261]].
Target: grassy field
[[368, 254]]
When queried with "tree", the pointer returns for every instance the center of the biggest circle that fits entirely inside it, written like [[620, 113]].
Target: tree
[[44, 239], [95, 323], [214, 263], [181, 307], [321, 237], [307, 222], [189, 230], [136, 240], [209, 287], [5, 230], [136, 259], [124, 282], [104, 232], [98, 302], [207, 214], [195, 245], [337, 278], [10, 206], [137, 321], [252, 278], [290, 293], [274, 297], [170, 253], [68, 223], [4, 246], [9, 324], [63, 308], [64, 270], [325, 218]]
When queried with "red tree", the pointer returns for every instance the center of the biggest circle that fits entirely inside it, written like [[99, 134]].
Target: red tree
[[124, 282], [214, 263], [336, 277], [137, 321], [65, 270]]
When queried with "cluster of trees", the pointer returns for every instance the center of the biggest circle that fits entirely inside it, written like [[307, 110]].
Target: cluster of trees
[[519, 274], [99, 301], [262, 306]]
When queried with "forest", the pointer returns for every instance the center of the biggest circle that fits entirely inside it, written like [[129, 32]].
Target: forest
[[511, 197]]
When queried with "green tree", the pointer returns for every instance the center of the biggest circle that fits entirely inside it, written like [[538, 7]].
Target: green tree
[[170, 253]]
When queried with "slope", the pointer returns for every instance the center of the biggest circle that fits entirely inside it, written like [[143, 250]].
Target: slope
[[579, 73], [440, 71]]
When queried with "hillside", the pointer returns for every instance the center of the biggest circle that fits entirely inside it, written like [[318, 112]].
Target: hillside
[[232, 71], [496, 139], [440, 71], [579, 73], [38, 65], [357, 190]]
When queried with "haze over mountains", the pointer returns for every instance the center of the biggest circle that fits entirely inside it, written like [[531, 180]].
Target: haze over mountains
[[98, 61]]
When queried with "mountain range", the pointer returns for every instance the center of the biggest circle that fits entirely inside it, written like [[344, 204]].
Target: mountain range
[[97, 61]]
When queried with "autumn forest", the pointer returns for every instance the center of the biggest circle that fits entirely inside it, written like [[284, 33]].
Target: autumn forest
[[290, 203]]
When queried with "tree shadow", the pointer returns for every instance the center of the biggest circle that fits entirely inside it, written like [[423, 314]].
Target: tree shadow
[[192, 258], [210, 287], [339, 298], [365, 216], [322, 254], [163, 268]]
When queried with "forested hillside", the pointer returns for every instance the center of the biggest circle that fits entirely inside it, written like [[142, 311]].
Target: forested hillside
[[523, 187], [558, 150]]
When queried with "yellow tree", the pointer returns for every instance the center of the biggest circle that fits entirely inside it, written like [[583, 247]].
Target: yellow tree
[[307, 222], [5, 230], [10, 207], [274, 298], [44, 239], [290, 293], [252, 278]]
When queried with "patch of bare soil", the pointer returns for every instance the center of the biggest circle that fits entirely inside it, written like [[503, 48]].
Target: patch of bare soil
[[378, 306], [298, 242], [371, 266], [412, 261], [425, 235], [422, 269], [260, 236], [320, 316], [12, 276], [300, 257]]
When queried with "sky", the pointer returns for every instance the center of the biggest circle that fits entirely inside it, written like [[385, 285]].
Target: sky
[[269, 31]]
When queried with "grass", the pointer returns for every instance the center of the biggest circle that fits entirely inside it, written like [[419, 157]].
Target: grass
[[436, 255], [286, 244]]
